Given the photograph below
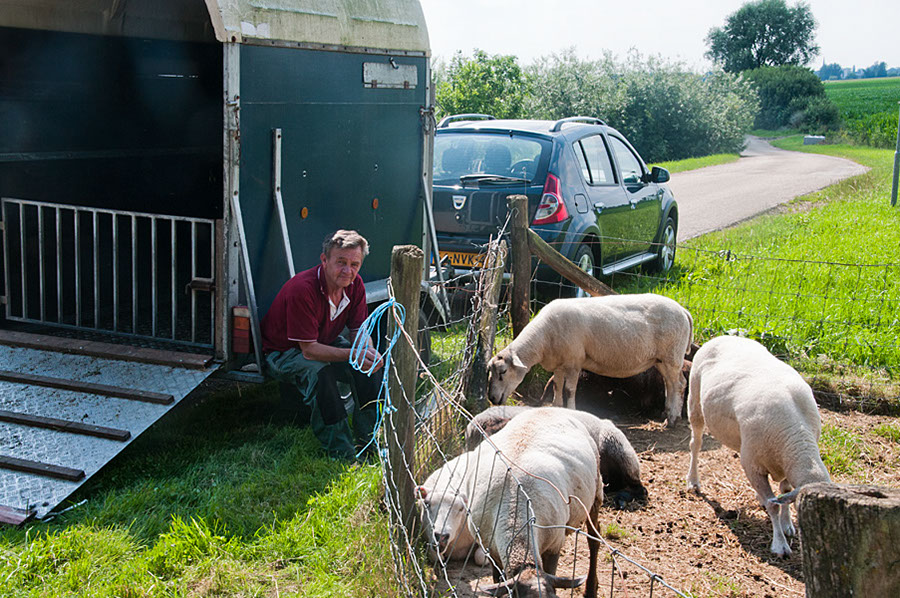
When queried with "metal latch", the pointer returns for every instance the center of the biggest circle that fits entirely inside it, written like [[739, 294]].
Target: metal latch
[[200, 284]]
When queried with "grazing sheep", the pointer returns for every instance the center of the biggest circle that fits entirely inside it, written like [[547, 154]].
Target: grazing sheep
[[619, 464], [442, 510], [544, 464], [761, 407], [617, 336]]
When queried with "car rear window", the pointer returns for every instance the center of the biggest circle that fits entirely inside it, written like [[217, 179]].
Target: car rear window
[[458, 154]]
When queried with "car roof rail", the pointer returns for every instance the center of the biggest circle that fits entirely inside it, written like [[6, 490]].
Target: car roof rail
[[445, 122], [558, 125]]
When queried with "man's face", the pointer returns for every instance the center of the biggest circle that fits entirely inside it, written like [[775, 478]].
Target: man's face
[[341, 267]]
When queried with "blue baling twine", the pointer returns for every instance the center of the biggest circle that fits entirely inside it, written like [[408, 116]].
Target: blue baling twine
[[369, 329]]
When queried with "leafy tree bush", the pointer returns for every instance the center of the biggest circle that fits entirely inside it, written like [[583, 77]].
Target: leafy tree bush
[[792, 96], [486, 84], [667, 112], [764, 33]]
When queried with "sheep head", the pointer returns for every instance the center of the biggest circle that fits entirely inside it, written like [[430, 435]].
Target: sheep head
[[444, 518], [505, 372]]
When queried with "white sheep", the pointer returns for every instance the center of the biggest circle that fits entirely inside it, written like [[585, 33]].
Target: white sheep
[[489, 422], [619, 464], [529, 486], [761, 407], [616, 336], [443, 512]]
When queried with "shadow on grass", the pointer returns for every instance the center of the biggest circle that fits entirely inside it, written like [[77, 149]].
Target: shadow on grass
[[237, 456]]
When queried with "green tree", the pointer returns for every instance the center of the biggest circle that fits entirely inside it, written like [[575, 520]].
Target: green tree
[[792, 96], [830, 71], [486, 84], [665, 110], [764, 33]]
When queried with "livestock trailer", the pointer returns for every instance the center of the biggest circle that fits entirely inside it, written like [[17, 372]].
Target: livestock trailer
[[164, 162]]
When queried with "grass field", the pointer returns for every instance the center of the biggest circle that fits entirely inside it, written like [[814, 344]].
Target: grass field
[[817, 280], [230, 497], [869, 109]]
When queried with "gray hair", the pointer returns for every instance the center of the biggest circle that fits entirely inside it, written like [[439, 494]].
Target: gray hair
[[345, 239]]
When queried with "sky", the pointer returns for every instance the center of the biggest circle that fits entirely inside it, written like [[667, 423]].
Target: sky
[[849, 33]]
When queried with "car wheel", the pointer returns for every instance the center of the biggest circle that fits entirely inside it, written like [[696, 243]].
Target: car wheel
[[584, 259], [665, 257]]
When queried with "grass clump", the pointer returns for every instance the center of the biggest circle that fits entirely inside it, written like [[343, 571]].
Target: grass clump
[[888, 431], [841, 450], [695, 163]]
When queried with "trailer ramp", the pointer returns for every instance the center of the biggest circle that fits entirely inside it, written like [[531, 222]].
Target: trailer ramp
[[68, 406]]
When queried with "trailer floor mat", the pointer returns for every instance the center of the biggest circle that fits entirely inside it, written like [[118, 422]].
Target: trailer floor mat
[[64, 415]]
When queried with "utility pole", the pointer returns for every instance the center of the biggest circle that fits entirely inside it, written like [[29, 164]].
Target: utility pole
[[896, 167]]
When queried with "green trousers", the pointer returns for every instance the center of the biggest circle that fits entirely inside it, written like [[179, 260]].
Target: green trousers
[[317, 383]]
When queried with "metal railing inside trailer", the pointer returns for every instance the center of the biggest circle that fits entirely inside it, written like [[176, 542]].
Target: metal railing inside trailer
[[117, 272]]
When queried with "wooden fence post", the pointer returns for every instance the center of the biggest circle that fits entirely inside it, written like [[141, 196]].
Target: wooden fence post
[[565, 268], [850, 540], [488, 293], [406, 273], [520, 303]]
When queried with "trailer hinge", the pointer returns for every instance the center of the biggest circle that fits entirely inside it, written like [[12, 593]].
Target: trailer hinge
[[200, 284], [426, 113]]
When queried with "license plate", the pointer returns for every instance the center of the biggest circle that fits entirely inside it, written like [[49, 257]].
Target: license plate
[[463, 259]]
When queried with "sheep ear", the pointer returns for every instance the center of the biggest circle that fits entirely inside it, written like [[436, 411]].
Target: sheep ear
[[422, 492], [565, 582], [516, 362]]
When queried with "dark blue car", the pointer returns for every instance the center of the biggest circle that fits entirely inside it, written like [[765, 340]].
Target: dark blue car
[[590, 195]]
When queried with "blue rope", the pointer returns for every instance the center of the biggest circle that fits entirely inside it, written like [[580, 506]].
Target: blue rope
[[369, 329]]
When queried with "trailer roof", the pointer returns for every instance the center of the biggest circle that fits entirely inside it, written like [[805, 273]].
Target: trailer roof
[[379, 24]]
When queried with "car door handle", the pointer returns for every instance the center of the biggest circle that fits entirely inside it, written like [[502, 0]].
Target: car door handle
[[599, 206], [633, 203]]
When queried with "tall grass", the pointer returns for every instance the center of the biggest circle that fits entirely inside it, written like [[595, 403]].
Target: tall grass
[[816, 280]]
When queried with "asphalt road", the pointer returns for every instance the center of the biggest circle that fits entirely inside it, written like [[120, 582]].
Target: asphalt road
[[716, 197]]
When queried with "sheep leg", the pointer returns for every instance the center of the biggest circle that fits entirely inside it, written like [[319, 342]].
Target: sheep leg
[[759, 480], [786, 524], [674, 391], [569, 384], [695, 416]]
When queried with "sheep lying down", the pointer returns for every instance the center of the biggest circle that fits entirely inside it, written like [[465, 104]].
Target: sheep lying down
[[554, 457], [619, 464], [618, 336], [761, 407]]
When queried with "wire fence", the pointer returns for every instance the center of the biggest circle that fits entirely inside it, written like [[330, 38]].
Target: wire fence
[[837, 323]]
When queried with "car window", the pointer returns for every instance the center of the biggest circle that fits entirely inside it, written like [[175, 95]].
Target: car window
[[456, 155], [597, 170], [629, 165]]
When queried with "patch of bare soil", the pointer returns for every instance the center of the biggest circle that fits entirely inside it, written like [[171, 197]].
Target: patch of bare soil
[[712, 544]]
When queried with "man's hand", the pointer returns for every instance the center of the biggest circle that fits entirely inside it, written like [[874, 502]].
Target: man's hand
[[372, 357]]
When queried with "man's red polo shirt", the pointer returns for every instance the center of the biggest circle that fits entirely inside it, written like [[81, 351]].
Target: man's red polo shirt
[[301, 312]]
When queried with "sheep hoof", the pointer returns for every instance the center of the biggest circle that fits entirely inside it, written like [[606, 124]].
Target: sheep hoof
[[693, 487], [784, 553]]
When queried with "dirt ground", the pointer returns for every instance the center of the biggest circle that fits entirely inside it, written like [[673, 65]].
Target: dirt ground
[[712, 544]]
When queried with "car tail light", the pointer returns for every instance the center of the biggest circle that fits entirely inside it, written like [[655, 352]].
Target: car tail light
[[552, 208]]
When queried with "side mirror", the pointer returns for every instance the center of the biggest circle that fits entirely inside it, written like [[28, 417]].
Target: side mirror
[[659, 175]]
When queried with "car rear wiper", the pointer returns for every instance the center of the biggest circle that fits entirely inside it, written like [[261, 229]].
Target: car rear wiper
[[491, 178]]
